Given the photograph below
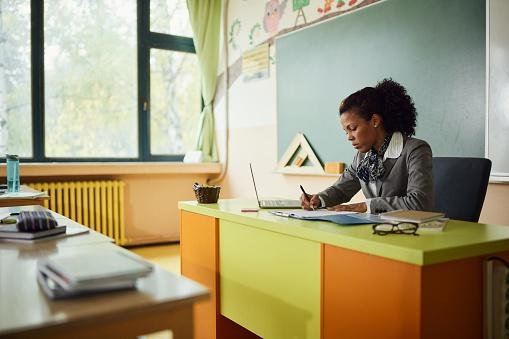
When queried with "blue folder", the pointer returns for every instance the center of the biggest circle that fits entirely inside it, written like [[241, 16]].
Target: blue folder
[[346, 219]]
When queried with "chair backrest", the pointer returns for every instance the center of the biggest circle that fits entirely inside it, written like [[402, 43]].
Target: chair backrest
[[460, 186]]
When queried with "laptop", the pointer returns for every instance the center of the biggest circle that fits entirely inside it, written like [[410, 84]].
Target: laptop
[[275, 203]]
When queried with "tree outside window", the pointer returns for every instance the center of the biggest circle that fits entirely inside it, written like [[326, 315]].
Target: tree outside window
[[94, 80]]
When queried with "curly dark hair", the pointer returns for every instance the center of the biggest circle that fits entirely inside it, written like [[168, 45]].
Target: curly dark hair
[[388, 99]]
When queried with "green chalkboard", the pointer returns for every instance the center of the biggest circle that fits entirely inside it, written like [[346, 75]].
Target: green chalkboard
[[435, 48]]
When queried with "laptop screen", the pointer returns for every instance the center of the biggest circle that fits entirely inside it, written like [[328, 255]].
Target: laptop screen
[[254, 184]]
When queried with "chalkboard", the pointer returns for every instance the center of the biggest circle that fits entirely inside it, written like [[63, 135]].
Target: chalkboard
[[435, 48]]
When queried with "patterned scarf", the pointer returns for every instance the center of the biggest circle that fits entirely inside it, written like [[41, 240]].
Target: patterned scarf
[[371, 168]]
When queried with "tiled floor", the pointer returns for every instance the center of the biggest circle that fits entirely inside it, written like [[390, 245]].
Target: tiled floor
[[166, 256]]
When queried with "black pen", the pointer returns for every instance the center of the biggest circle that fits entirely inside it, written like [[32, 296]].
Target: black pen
[[306, 195]]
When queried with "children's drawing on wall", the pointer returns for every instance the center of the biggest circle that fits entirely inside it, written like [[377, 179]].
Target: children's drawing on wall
[[341, 5], [344, 5], [254, 32], [298, 6], [274, 10], [326, 7], [233, 34], [255, 63]]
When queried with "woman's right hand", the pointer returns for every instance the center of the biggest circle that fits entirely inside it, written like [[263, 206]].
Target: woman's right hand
[[310, 202]]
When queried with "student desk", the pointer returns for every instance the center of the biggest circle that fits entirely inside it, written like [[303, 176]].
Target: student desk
[[161, 301], [286, 278]]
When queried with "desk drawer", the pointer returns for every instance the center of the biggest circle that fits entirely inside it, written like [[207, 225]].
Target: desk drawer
[[269, 282]]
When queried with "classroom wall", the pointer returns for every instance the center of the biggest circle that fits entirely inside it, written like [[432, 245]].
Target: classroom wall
[[151, 194], [253, 114]]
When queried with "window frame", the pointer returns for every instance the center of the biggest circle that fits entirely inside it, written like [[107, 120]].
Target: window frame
[[146, 40]]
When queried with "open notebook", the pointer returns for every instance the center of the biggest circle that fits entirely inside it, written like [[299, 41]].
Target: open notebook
[[274, 203]]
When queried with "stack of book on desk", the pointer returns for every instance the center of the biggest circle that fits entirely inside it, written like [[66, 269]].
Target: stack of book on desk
[[29, 226], [68, 276], [11, 232], [427, 221]]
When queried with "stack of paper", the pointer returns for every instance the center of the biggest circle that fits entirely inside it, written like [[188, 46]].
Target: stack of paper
[[304, 214], [67, 276], [22, 195], [338, 217]]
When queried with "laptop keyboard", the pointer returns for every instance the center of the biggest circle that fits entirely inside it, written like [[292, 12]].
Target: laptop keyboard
[[280, 203]]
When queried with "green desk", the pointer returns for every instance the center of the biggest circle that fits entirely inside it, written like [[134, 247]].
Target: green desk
[[285, 278]]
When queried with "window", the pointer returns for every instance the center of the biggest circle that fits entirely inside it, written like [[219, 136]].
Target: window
[[15, 70], [175, 97], [114, 80], [170, 17], [90, 79], [174, 79]]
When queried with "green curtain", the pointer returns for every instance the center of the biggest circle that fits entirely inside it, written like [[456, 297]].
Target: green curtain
[[205, 19]]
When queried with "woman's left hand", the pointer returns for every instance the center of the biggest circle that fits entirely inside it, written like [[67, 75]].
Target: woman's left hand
[[360, 207]]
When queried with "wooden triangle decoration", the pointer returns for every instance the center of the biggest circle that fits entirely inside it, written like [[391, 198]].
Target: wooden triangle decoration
[[292, 161]]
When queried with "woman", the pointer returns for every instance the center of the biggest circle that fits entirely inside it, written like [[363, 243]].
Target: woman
[[393, 169]]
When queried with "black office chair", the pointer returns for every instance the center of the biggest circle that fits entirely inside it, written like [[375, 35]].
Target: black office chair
[[460, 186]]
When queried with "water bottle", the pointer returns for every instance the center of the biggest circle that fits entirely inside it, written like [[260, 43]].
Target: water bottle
[[12, 172]]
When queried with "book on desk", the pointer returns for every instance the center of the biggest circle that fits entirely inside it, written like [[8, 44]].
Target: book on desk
[[427, 221], [411, 216], [11, 231], [68, 276], [69, 231]]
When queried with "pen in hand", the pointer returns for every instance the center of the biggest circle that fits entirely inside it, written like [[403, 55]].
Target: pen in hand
[[307, 197]]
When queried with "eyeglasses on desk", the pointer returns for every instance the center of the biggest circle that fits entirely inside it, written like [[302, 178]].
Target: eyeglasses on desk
[[408, 228]]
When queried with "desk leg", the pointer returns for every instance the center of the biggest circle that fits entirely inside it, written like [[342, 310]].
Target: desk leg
[[182, 324]]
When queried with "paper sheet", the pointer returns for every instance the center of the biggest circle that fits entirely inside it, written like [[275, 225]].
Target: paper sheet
[[300, 213], [21, 195]]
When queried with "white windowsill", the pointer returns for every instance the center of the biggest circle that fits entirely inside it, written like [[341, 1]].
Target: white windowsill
[[113, 168]]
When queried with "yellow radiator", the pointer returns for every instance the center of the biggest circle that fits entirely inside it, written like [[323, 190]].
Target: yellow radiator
[[96, 204]]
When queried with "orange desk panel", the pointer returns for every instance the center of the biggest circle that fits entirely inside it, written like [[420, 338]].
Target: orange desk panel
[[366, 296], [198, 243]]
